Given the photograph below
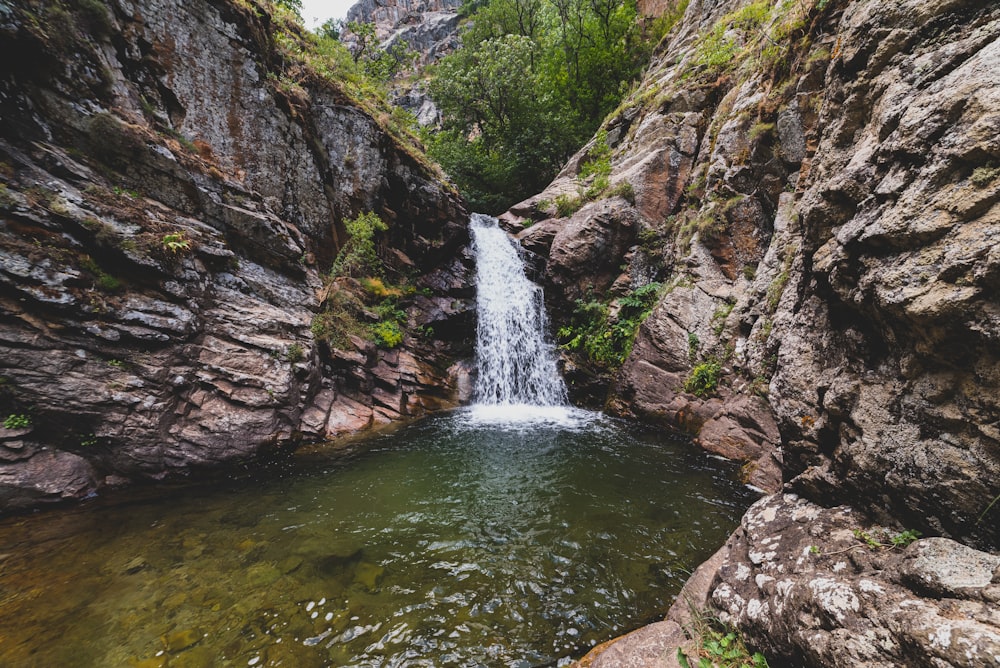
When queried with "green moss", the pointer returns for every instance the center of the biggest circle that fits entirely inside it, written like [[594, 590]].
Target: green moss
[[760, 130]]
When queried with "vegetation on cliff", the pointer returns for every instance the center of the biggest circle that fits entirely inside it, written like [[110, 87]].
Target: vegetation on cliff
[[532, 81]]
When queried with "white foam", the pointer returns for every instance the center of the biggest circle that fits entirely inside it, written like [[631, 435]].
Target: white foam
[[528, 416]]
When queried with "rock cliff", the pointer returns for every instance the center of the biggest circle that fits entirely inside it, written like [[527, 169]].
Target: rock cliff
[[816, 188], [175, 180], [427, 27]]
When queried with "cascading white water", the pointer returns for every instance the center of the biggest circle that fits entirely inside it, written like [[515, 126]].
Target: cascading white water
[[517, 364]]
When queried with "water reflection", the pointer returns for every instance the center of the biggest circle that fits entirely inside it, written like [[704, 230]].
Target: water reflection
[[451, 542]]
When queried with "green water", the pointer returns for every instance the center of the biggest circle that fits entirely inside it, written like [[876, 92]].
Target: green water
[[448, 542]]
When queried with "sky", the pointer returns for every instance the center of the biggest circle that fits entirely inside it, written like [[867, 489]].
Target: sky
[[314, 12]]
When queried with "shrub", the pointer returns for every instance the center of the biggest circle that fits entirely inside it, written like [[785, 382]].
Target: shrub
[[982, 176], [387, 334], [377, 288], [624, 190], [608, 342], [704, 379], [358, 257], [339, 319]]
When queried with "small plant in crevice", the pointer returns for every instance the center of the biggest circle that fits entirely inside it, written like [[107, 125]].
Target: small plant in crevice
[[983, 176], [339, 319], [387, 334], [704, 379], [719, 646], [694, 345], [718, 320], [885, 539], [17, 421], [295, 353], [358, 256], [607, 340], [567, 205], [176, 242]]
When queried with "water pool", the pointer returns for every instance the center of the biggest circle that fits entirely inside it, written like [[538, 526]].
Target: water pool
[[458, 540]]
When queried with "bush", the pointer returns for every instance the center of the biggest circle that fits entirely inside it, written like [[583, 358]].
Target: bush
[[387, 334], [608, 342], [704, 379], [358, 257], [295, 353]]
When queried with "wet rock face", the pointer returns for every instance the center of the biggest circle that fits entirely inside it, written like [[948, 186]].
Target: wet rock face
[[165, 225], [800, 582]]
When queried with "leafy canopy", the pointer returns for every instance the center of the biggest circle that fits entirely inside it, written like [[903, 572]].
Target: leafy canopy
[[530, 84]]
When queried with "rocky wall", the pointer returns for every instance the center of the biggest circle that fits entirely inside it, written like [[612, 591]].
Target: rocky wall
[[174, 185], [823, 226]]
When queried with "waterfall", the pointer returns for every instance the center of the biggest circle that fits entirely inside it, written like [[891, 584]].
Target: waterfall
[[517, 364]]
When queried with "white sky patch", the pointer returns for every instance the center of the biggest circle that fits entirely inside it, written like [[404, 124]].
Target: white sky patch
[[315, 12]]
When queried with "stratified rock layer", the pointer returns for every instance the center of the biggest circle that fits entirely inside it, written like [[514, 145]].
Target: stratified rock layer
[[826, 228], [171, 199]]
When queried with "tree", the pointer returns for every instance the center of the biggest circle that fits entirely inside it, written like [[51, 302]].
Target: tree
[[530, 84], [503, 135]]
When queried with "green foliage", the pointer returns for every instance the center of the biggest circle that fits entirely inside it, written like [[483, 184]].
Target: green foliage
[[88, 441], [597, 165], [102, 279], [775, 290], [760, 130], [666, 21], [721, 647], [378, 63], [904, 538], [704, 379], [694, 344], [17, 421], [295, 353], [722, 312], [885, 540], [339, 319], [607, 341], [761, 34], [387, 334], [622, 189], [567, 205], [533, 80], [176, 242], [358, 257], [983, 176]]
